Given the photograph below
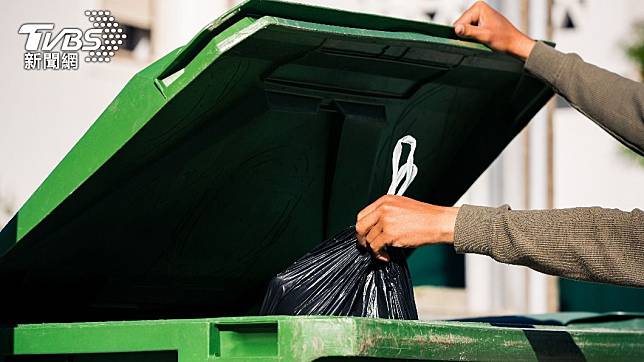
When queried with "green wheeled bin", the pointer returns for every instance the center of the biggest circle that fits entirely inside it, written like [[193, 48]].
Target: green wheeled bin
[[224, 161]]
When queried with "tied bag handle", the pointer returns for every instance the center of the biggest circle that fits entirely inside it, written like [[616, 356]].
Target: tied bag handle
[[402, 177]]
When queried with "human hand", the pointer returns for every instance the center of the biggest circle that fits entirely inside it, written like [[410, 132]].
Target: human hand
[[481, 22], [405, 223]]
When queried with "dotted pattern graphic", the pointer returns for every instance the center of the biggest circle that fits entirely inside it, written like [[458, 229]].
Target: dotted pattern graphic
[[112, 37]]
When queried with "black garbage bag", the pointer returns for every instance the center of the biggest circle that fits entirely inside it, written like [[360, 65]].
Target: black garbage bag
[[339, 278]]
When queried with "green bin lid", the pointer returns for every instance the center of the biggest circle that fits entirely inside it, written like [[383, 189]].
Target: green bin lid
[[227, 159]]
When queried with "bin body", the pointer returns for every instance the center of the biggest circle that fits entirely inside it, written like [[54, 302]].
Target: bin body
[[226, 160], [321, 339]]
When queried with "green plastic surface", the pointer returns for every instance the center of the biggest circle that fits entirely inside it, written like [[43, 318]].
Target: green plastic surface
[[221, 163], [315, 339]]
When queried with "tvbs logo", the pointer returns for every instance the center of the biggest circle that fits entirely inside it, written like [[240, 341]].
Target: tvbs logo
[[47, 49]]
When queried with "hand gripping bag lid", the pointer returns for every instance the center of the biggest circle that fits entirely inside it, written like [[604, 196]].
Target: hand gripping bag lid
[[338, 277]]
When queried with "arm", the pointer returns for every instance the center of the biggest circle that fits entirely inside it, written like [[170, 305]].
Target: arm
[[591, 243], [587, 243], [613, 102]]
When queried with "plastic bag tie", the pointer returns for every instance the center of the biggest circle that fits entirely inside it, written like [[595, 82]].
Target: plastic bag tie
[[402, 177]]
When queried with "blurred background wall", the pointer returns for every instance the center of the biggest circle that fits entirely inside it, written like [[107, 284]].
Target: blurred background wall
[[561, 160]]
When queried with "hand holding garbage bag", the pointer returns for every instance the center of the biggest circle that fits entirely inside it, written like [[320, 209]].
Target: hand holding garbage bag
[[339, 277], [402, 222]]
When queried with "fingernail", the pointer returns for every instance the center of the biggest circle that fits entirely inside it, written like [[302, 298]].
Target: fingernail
[[459, 29]]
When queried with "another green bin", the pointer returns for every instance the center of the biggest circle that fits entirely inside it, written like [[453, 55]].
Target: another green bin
[[221, 163]]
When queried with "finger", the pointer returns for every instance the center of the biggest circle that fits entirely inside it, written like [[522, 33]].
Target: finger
[[362, 241], [373, 233], [374, 205], [364, 226], [472, 32], [470, 16], [378, 247], [382, 255]]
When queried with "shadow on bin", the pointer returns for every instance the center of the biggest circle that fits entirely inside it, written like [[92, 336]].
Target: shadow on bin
[[553, 345], [8, 235]]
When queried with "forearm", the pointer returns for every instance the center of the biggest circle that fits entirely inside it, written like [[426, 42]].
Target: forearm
[[594, 244], [613, 102]]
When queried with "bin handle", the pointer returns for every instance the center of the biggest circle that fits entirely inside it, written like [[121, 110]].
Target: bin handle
[[402, 177]]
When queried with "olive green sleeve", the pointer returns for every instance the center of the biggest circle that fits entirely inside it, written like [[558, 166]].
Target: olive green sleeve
[[591, 243], [586, 243], [613, 102]]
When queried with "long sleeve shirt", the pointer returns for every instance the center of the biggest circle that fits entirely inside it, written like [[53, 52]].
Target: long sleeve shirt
[[586, 243]]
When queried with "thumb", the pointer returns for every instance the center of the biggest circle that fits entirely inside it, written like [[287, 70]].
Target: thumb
[[383, 256], [472, 32]]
